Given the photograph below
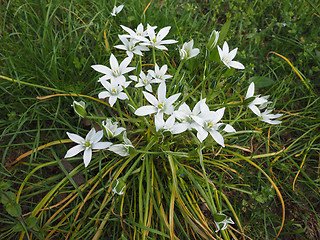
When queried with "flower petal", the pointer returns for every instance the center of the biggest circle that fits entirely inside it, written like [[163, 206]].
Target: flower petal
[[145, 110], [74, 151], [101, 145], [75, 138], [87, 156]]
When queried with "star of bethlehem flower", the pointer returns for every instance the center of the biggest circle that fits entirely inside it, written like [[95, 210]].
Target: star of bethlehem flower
[[221, 220], [169, 125], [159, 74], [185, 115], [111, 128], [114, 91], [115, 73], [139, 34], [144, 81], [208, 124], [159, 106], [130, 46], [91, 142], [187, 51], [226, 57], [116, 10], [267, 117], [156, 40], [256, 101]]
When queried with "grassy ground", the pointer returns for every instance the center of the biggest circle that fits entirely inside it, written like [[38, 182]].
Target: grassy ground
[[52, 45]]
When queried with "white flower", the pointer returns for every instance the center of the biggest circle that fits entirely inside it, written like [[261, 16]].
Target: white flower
[[169, 125], [187, 51], [226, 57], [213, 40], [144, 81], [79, 108], [267, 117], [160, 74], [115, 74], [122, 149], [131, 47], [185, 115], [160, 105], [111, 128], [262, 101], [90, 142], [116, 10], [114, 91], [221, 220], [157, 41], [139, 34], [208, 124]]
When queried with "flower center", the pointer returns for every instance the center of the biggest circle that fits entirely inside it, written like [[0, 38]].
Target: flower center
[[116, 72], [113, 90], [160, 106], [87, 144], [154, 40]]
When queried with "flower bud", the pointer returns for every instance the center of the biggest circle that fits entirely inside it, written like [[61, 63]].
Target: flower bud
[[118, 186], [79, 108], [213, 40]]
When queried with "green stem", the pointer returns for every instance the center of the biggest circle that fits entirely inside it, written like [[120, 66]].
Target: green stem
[[176, 75], [120, 114], [154, 56]]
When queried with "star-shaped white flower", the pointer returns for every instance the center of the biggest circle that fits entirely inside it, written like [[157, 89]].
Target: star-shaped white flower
[[115, 74], [116, 10], [139, 34], [130, 46], [157, 41], [87, 145], [111, 128], [170, 125], [185, 115], [144, 80], [267, 117], [114, 91], [226, 57], [256, 101], [159, 106], [159, 74], [187, 51], [208, 124]]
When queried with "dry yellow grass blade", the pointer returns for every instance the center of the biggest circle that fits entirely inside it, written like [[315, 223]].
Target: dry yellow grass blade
[[144, 11], [37, 149], [295, 70]]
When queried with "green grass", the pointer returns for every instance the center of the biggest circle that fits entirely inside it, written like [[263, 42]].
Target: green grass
[[53, 44]]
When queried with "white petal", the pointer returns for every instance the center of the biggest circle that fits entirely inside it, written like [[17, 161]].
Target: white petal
[[101, 69], [145, 110], [232, 54], [162, 33], [75, 138], [104, 94], [87, 156], [114, 62], [217, 137], [112, 100], [74, 151], [101, 145], [162, 92], [228, 128], [202, 134], [97, 137], [255, 109], [236, 65], [250, 91], [172, 99], [151, 99]]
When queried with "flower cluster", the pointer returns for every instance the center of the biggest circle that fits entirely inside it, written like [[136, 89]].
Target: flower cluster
[[169, 112]]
